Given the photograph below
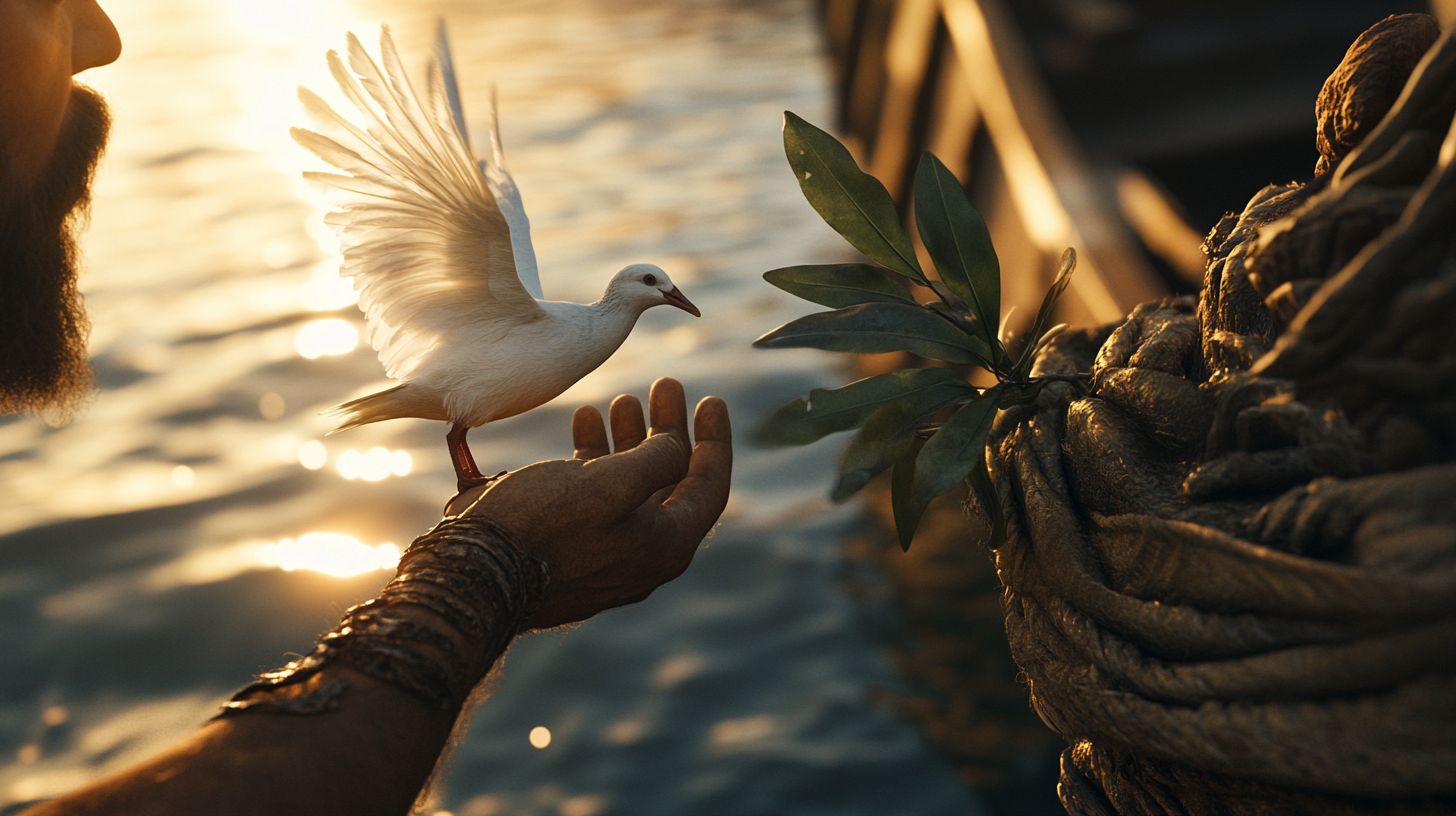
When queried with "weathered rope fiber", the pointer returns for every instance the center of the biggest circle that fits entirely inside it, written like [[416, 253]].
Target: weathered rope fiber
[[1230, 576]]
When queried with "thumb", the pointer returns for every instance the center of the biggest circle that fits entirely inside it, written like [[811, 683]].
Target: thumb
[[627, 479]]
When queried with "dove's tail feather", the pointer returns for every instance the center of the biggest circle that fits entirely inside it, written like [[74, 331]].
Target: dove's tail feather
[[392, 403]]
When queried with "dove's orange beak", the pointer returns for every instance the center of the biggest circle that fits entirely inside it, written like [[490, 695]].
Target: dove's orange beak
[[678, 299]]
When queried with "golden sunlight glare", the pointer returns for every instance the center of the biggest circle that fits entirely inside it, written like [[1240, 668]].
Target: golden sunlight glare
[[336, 554], [313, 455], [350, 464], [401, 463], [325, 291], [278, 254], [330, 336], [374, 465]]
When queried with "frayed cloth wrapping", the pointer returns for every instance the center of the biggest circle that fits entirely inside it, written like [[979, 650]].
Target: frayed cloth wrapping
[[471, 573]]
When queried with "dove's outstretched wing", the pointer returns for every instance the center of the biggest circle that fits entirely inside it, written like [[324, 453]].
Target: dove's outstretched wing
[[502, 186], [423, 235]]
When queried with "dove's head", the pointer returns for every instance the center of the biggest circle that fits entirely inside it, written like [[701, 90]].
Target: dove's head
[[645, 286]]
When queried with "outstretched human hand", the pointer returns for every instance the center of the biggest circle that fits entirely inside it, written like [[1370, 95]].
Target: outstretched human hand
[[615, 526]]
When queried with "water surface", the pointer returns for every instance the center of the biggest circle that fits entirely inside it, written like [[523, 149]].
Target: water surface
[[140, 547]]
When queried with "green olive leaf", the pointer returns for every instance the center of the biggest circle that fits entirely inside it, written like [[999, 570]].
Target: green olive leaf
[[850, 200], [876, 328], [902, 490], [1048, 304], [883, 439], [956, 237], [831, 410], [949, 456], [839, 285]]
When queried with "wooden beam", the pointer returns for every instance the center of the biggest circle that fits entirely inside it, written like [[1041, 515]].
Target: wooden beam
[[1059, 200], [954, 117], [907, 64], [1160, 223]]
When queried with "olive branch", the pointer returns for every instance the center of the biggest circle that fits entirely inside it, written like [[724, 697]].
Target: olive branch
[[874, 312]]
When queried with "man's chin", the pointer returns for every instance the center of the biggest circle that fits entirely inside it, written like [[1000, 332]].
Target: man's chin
[[43, 326]]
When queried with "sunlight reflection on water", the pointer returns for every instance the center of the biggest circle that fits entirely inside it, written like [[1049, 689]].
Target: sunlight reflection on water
[[375, 464], [145, 550], [323, 338], [341, 556]]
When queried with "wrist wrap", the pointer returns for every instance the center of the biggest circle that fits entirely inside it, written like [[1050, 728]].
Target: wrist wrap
[[467, 571]]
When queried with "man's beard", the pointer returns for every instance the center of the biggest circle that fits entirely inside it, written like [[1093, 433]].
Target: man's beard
[[43, 326]]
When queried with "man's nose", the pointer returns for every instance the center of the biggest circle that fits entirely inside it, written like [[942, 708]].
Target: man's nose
[[94, 39]]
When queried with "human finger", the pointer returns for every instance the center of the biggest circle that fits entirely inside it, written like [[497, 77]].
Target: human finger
[[700, 497], [626, 479], [628, 427], [588, 434], [668, 407], [711, 423]]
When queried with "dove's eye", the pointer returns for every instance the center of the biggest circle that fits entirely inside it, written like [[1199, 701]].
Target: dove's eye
[[650, 280]]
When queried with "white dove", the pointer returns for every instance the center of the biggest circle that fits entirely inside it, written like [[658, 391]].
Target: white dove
[[439, 249]]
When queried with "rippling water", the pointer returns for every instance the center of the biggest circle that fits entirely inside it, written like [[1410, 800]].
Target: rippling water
[[143, 549]]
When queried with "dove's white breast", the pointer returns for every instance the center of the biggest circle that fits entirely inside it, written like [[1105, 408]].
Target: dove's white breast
[[488, 371]]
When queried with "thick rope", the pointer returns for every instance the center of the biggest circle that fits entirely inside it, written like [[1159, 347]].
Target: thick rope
[[1230, 576]]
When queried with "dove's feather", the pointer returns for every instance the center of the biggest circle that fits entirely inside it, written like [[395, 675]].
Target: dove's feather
[[423, 235], [502, 186], [508, 196], [447, 80]]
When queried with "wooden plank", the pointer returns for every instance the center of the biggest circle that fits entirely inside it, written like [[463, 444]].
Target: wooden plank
[[954, 117], [841, 27], [1160, 223], [908, 53], [861, 111], [1060, 201]]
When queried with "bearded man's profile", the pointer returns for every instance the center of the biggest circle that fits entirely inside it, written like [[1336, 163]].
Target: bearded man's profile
[[43, 325]]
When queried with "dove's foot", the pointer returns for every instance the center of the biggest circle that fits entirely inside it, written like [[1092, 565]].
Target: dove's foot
[[467, 475]]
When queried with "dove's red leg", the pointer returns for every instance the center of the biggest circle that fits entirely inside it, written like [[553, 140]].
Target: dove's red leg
[[467, 475]]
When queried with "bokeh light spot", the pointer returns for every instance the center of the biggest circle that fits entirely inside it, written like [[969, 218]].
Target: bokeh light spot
[[401, 463], [183, 476], [313, 455], [350, 464], [330, 336], [540, 736], [374, 465]]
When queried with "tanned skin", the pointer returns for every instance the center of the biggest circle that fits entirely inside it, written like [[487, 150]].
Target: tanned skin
[[612, 527]]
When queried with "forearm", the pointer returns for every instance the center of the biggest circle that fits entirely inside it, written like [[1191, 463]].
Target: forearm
[[356, 726], [369, 721], [372, 756]]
